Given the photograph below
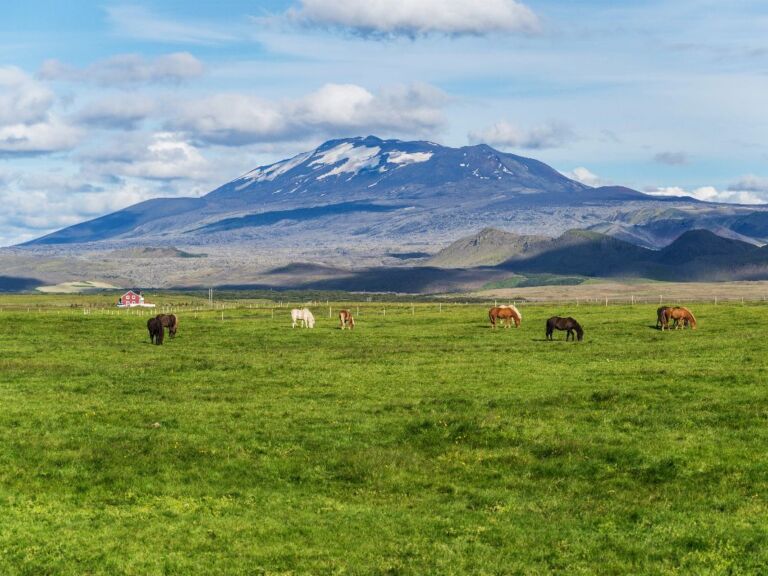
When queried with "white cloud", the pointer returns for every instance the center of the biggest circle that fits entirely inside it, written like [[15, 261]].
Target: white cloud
[[751, 183], [237, 119], [127, 69], [38, 138], [671, 158], [22, 99], [585, 176], [27, 123], [138, 22], [121, 111], [709, 194], [504, 134], [417, 18], [159, 156]]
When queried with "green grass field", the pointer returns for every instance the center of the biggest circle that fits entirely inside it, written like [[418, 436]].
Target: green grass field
[[420, 443]]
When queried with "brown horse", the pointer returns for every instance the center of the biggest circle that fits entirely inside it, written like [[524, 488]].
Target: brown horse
[[156, 332], [506, 314], [568, 324], [682, 317], [662, 317], [346, 320], [169, 321]]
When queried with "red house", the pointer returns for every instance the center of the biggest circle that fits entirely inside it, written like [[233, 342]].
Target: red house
[[132, 298]]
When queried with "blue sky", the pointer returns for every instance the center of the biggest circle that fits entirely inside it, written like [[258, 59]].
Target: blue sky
[[106, 104]]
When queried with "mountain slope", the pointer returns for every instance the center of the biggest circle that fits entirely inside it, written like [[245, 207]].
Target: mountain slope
[[370, 188], [373, 197], [486, 248]]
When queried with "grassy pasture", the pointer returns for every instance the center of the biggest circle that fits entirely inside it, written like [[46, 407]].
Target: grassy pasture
[[421, 443]]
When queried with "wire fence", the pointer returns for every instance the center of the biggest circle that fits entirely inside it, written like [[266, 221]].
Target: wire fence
[[330, 309]]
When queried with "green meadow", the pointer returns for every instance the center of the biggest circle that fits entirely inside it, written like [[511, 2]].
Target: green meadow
[[422, 442]]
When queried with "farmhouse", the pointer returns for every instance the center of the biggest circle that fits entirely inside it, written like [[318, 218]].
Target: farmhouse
[[131, 299]]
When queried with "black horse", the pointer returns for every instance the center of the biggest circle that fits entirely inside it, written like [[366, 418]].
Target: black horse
[[156, 332], [569, 324]]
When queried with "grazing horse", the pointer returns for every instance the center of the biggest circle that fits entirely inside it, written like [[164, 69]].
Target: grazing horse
[[156, 331], [304, 316], [569, 324], [505, 314], [169, 321], [346, 320], [682, 317], [662, 317]]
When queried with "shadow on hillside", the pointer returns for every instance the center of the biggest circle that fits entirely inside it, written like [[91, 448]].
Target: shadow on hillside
[[18, 283]]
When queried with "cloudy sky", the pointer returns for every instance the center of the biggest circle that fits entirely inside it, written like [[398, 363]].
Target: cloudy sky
[[104, 104]]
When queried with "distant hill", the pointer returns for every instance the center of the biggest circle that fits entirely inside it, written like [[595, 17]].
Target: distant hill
[[486, 248], [698, 255], [695, 255]]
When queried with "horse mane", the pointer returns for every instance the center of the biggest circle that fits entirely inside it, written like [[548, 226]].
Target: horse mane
[[515, 310], [693, 318]]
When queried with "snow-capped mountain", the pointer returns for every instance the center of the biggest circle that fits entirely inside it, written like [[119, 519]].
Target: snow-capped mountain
[[368, 191]]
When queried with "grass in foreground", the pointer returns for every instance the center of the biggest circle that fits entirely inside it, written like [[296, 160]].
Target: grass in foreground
[[418, 444]]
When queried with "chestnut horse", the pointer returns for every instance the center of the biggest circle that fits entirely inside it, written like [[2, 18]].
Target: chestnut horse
[[169, 321], [682, 317], [662, 317], [569, 324], [505, 314], [346, 320]]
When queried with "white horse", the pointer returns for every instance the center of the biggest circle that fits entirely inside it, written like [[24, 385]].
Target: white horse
[[304, 316]]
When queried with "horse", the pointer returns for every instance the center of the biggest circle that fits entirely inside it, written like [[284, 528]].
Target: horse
[[156, 332], [682, 317], [505, 314], [568, 324], [304, 316], [346, 320], [662, 317], [169, 321]]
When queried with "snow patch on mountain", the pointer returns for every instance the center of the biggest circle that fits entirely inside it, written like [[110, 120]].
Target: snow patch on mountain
[[403, 158], [354, 158], [269, 173]]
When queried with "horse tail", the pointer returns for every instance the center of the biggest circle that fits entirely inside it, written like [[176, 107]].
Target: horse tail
[[491, 316]]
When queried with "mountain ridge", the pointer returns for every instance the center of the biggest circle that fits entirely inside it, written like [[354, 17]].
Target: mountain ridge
[[448, 186]]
